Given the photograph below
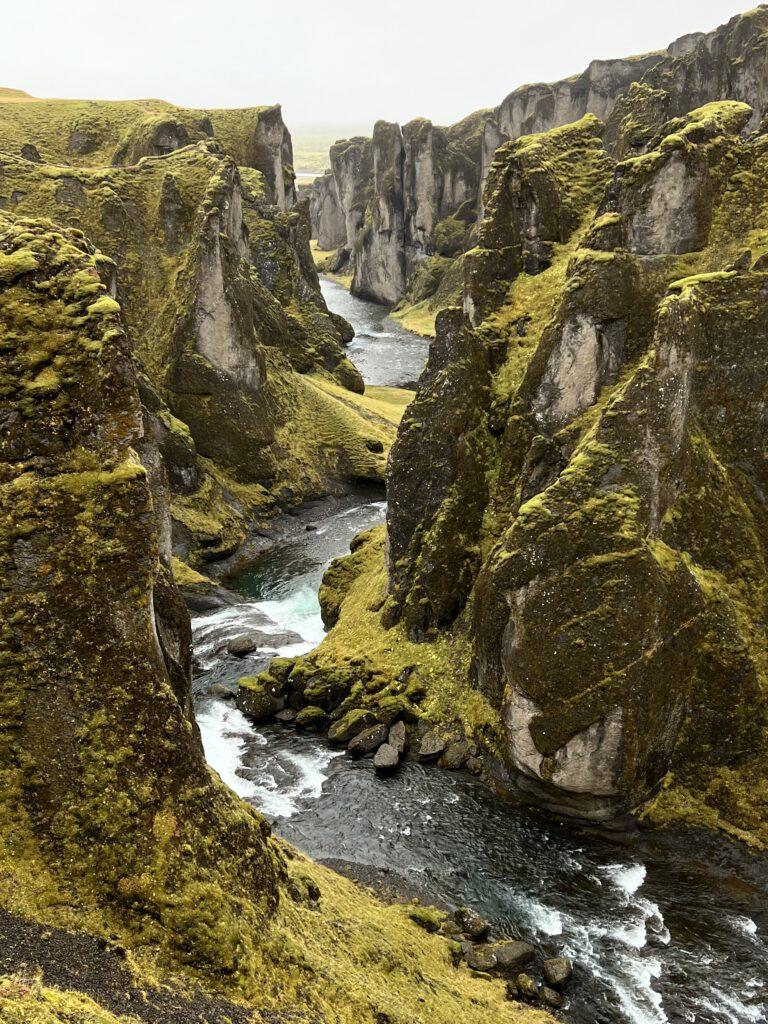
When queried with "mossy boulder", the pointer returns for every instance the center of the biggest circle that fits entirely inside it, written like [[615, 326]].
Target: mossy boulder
[[353, 722]]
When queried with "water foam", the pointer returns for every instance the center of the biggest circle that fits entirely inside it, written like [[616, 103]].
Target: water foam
[[227, 735]]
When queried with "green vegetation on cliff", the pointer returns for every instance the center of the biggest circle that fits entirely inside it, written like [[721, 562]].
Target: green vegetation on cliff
[[575, 492]]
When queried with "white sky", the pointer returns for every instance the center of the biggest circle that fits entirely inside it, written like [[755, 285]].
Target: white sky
[[338, 62]]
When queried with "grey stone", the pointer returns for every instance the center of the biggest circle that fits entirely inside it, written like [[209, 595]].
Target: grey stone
[[397, 737], [513, 955], [557, 971], [367, 741], [455, 755], [471, 923], [386, 758], [432, 744], [551, 998], [220, 691], [479, 958], [527, 987]]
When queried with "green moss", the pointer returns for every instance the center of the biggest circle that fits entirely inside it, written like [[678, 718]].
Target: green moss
[[428, 918], [24, 1001], [23, 261]]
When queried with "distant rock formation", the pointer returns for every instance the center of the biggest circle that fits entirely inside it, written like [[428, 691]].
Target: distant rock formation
[[416, 192]]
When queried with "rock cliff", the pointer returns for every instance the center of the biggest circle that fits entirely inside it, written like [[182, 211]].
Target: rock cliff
[[425, 195], [223, 305], [577, 517], [92, 133]]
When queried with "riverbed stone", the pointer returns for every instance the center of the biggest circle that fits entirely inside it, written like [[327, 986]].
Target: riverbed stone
[[450, 928], [557, 971], [527, 988], [386, 758], [287, 716], [328, 689], [353, 723], [245, 643], [255, 700], [512, 955], [220, 691], [432, 744], [551, 998], [313, 719], [471, 923], [367, 741], [455, 755], [397, 738], [479, 957]]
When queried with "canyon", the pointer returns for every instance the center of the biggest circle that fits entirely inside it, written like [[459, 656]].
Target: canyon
[[555, 590]]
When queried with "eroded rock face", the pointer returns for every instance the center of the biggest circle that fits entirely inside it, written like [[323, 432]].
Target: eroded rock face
[[624, 431], [380, 259], [443, 171], [100, 745], [326, 213]]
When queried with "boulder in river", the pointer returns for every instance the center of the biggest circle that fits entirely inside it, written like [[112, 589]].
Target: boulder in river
[[312, 718], [220, 691], [512, 955], [247, 643], [397, 737], [557, 971], [255, 700], [386, 758], [471, 923], [367, 741], [354, 722], [527, 988], [551, 998], [287, 716], [432, 744], [244, 644]]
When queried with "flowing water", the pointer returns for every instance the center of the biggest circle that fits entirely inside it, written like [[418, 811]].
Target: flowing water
[[662, 930], [382, 350]]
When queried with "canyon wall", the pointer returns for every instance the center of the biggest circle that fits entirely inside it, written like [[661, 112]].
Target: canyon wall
[[162, 394], [424, 184], [238, 352], [574, 573]]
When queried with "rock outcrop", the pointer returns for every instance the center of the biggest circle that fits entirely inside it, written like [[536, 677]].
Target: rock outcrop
[[105, 785], [579, 487], [425, 197], [99, 132], [222, 300]]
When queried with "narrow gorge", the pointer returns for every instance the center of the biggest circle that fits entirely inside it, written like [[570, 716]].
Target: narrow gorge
[[385, 557]]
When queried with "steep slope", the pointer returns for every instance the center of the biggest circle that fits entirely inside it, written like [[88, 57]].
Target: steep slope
[[223, 303], [95, 133], [422, 186], [577, 494]]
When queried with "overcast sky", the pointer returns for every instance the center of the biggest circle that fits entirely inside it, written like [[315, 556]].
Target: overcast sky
[[329, 61]]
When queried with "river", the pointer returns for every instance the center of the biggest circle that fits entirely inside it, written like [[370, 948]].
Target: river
[[662, 928]]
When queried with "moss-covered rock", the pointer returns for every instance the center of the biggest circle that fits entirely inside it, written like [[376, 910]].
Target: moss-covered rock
[[104, 778], [576, 487]]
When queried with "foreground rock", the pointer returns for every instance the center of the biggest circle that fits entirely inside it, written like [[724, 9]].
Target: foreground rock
[[558, 971], [554, 557], [386, 759]]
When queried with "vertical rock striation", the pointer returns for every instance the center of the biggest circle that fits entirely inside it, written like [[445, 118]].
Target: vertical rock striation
[[105, 786], [577, 492], [429, 200]]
